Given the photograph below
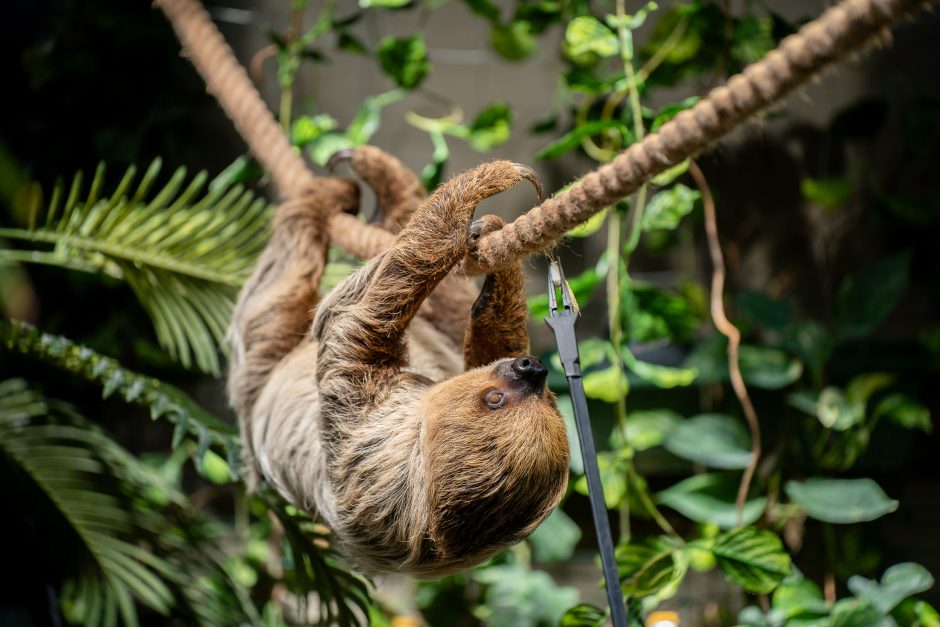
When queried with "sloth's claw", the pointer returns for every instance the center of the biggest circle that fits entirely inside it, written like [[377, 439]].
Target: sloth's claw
[[528, 173], [339, 157]]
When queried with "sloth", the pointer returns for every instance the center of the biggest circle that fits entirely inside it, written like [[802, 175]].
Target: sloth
[[401, 409]]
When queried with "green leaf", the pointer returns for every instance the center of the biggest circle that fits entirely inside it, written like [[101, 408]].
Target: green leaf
[[753, 38], [215, 469], [555, 539], [854, 613], [840, 501], [591, 226], [648, 428], [862, 387], [710, 499], [404, 60], [513, 41], [608, 385], [326, 145], [898, 582], [575, 461], [661, 376], [385, 4], [867, 297], [613, 472], [307, 128], [827, 193], [667, 208], [664, 115], [491, 127], [647, 567], [587, 35], [572, 139], [432, 173], [183, 252], [836, 412], [799, 597], [582, 288], [584, 615], [163, 400], [752, 558], [671, 174], [517, 595], [768, 368], [905, 411], [367, 120], [714, 440], [916, 613]]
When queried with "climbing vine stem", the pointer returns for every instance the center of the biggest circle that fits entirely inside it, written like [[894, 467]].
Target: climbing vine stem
[[726, 328]]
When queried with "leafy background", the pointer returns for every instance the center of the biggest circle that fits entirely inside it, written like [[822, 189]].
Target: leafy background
[[117, 454]]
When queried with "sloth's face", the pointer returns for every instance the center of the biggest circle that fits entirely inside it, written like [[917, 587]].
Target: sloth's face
[[496, 454]]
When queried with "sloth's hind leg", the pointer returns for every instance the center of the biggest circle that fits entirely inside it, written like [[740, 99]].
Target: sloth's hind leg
[[275, 306], [499, 316]]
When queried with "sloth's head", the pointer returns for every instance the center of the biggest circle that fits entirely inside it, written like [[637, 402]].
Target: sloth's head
[[497, 457]]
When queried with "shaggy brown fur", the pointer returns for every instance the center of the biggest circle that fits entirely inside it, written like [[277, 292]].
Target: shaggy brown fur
[[370, 421]]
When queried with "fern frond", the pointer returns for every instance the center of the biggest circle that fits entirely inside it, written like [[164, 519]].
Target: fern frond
[[162, 400], [183, 251], [342, 595], [69, 464]]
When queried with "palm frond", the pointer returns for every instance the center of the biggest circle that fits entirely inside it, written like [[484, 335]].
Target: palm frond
[[342, 595], [183, 251], [69, 464], [162, 400]]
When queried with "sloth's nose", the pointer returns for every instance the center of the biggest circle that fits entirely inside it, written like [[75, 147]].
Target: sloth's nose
[[529, 371]]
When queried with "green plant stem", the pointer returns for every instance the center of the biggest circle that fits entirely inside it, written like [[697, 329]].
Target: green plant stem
[[648, 503]]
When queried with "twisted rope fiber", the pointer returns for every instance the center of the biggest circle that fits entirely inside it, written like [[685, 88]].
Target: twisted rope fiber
[[839, 31], [227, 80]]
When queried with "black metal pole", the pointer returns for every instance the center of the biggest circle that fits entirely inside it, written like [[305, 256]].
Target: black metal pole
[[562, 323]]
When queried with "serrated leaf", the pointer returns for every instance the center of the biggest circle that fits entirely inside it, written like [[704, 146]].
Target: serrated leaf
[[840, 501], [714, 440], [710, 499], [752, 558]]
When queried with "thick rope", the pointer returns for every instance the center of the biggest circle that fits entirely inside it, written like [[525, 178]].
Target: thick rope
[[839, 31], [227, 80]]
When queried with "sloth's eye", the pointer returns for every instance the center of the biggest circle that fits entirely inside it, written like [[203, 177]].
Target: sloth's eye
[[494, 399]]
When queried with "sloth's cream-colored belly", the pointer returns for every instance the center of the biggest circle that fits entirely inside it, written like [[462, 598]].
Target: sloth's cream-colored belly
[[285, 422]]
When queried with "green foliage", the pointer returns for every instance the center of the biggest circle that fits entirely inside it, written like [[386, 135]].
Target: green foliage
[[404, 60], [752, 558], [184, 253], [710, 499], [713, 440], [841, 500]]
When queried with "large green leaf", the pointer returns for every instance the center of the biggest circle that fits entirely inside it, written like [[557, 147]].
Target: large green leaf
[[516, 595], [583, 615], [648, 567], [588, 35], [752, 558], [183, 252], [645, 429], [162, 400], [710, 499], [840, 500], [714, 440], [898, 582]]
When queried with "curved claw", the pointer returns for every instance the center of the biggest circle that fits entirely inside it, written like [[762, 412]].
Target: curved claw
[[339, 157], [528, 173]]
